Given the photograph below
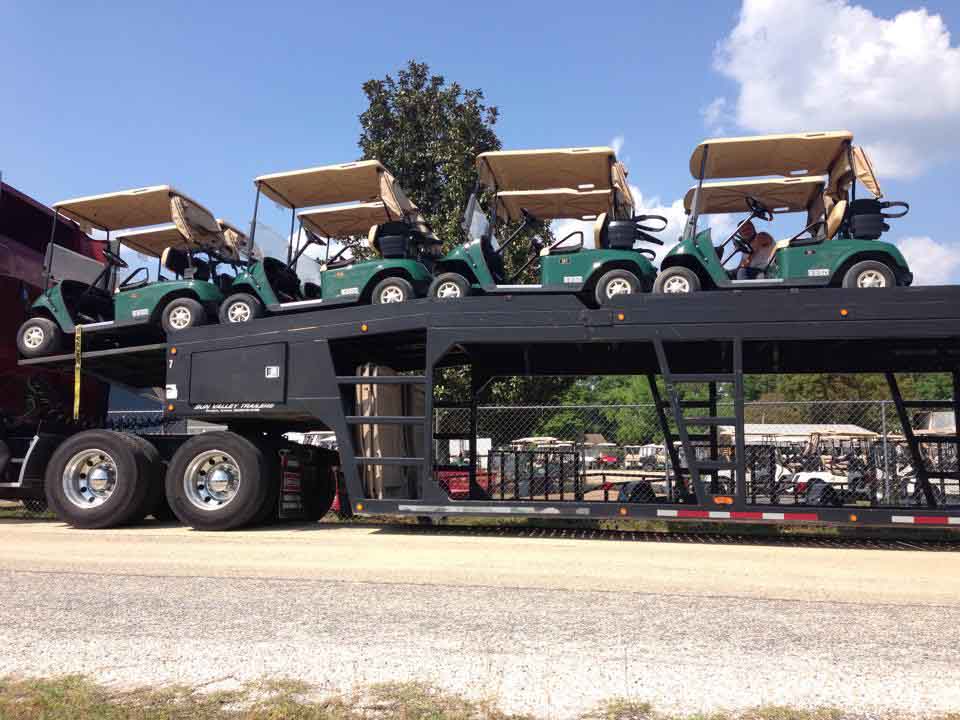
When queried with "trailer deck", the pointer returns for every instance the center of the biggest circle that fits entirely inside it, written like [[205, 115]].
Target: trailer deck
[[300, 372]]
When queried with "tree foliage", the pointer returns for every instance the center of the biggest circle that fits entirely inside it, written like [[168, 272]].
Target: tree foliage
[[428, 132]]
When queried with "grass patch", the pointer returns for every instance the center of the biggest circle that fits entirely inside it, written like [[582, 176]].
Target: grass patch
[[77, 698]]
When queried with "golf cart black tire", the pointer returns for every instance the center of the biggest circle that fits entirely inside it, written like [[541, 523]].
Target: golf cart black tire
[[52, 337], [198, 316], [399, 282], [692, 278], [252, 492], [851, 275], [600, 292], [451, 277], [128, 499], [256, 307]]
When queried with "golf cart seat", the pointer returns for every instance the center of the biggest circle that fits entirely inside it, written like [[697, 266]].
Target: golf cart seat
[[866, 218], [493, 258], [282, 279], [86, 303], [311, 290], [391, 239], [178, 262]]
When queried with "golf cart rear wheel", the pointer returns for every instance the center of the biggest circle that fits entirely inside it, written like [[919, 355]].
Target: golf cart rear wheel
[[182, 313], [392, 290], [614, 284], [869, 274], [677, 281], [449, 286], [240, 308], [39, 336]]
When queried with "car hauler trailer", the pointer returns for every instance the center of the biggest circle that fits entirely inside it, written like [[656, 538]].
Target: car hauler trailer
[[301, 372]]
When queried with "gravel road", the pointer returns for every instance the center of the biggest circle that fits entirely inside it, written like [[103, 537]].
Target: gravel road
[[546, 626]]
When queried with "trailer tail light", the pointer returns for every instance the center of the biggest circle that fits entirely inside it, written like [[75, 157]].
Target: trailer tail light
[[844, 312], [364, 328], [622, 511], [173, 351], [723, 500], [621, 316]]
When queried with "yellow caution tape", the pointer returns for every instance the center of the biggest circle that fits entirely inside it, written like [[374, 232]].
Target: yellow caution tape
[[77, 355]]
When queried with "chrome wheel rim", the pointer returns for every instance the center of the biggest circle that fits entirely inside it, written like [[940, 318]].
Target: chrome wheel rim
[[89, 478], [212, 480], [392, 294], [239, 312], [449, 289], [180, 317], [33, 337], [676, 284], [619, 286], [871, 279]]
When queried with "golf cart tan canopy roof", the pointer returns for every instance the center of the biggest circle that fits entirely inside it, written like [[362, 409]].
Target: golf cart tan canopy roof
[[193, 225], [345, 220], [788, 155], [363, 181], [576, 169], [778, 195], [554, 204], [135, 208]]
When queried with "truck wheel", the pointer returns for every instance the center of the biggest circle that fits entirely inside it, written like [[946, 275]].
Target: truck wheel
[[392, 290], [449, 286], [39, 336], [615, 284], [218, 481], [153, 477], [97, 479], [240, 308], [676, 281], [869, 274], [182, 313]]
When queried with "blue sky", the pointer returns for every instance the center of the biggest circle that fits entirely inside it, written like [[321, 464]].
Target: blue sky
[[207, 95]]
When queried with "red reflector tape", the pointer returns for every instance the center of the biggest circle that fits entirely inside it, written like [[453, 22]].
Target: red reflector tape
[[738, 515], [925, 520]]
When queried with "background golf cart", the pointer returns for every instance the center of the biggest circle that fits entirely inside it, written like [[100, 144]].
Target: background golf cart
[[377, 209], [87, 294], [838, 244], [533, 186]]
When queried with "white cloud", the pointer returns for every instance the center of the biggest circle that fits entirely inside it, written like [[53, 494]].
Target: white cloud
[[717, 116], [617, 144], [831, 64], [932, 263]]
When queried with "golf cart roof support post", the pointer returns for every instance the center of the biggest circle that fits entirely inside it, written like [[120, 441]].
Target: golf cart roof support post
[[690, 230], [853, 169], [53, 233], [293, 219], [253, 223]]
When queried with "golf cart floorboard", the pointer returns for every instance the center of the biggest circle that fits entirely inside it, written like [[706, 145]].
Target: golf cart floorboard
[[298, 372]]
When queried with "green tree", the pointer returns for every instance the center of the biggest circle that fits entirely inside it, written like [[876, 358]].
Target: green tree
[[428, 132]]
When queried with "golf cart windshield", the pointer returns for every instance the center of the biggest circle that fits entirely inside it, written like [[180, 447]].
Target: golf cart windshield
[[476, 223]]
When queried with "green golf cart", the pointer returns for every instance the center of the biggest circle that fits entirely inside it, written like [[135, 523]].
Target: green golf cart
[[533, 186], [339, 202], [188, 242], [839, 244]]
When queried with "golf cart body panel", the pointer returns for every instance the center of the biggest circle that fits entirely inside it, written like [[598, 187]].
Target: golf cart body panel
[[351, 282], [132, 307], [51, 304], [578, 270], [818, 175]]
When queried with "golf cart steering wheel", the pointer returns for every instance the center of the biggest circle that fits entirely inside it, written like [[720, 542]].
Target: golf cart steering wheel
[[528, 217], [114, 259], [758, 209]]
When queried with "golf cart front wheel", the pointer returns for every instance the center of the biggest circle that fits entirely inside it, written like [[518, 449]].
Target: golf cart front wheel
[[392, 290], [449, 286], [181, 314], [615, 284], [39, 336], [676, 281], [869, 274], [240, 308]]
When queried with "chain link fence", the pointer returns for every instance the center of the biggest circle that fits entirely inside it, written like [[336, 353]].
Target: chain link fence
[[817, 453]]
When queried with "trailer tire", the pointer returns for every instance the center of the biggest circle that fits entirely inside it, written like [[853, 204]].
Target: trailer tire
[[119, 468], [392, 290], [182, 313], [39, 336], [676, 280], [243, 481], [869, 274], [318, 503], [240, 308], [152, 475]]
